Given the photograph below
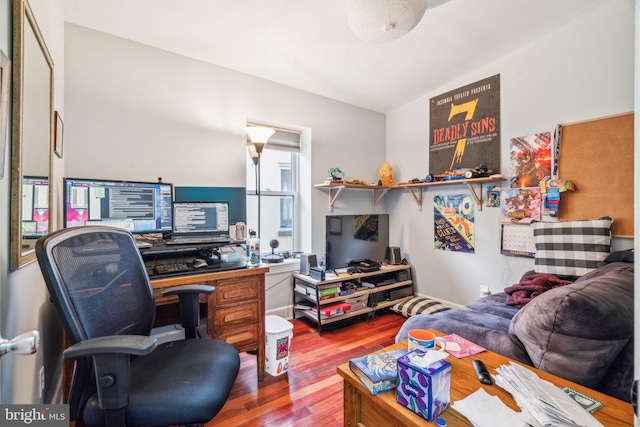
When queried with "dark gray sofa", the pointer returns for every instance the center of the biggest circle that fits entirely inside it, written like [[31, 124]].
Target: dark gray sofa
[[582, 331]]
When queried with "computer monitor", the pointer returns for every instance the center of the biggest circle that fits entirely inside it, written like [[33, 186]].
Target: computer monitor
[[200, 218], [35, 206], [140, 207]]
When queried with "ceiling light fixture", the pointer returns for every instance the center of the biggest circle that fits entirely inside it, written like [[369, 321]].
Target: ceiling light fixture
[[382, 21]]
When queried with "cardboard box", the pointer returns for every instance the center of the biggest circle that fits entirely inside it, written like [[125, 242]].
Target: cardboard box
[[425, 391], [357, 303]]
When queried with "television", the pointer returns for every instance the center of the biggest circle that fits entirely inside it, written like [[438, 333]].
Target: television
[[355, 237], [35, 206], [140, 207]]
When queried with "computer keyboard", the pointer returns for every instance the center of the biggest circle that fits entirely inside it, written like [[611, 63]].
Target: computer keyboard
[[171, 268], [188, 240]]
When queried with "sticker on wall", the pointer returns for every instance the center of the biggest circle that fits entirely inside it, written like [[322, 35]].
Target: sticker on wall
[[454, 228]]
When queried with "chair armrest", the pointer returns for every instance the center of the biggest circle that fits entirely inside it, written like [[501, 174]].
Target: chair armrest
[[189, 305], [138, 345], [111, 361], [189, 289]]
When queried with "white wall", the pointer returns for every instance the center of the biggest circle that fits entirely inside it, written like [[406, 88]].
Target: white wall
[[583, 70], [137, 113]]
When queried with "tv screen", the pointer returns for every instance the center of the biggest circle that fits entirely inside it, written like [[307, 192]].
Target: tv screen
[[355, 237], [140, 207]]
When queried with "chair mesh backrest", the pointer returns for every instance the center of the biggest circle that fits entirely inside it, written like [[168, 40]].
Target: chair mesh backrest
[[98, 282]]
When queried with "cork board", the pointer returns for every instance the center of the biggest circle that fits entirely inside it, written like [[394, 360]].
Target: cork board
[[597, 155]]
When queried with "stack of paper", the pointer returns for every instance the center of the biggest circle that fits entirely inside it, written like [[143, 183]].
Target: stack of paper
[[545, 403]]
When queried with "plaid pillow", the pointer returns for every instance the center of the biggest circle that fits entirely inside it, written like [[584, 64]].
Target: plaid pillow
[[419, 305], [571, 248]]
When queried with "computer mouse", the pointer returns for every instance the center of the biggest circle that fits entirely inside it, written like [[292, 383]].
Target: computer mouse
[[199, 263]]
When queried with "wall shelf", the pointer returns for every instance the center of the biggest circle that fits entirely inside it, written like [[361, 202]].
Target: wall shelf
[[416, 190], [377, 191]]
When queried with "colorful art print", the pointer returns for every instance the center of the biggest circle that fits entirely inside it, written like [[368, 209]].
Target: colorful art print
[[521, 204], [493, 197], [365, 227], [465, 127], [454, 228], [530, 158]]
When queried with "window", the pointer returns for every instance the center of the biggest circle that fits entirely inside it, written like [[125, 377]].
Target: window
[[277, 173]]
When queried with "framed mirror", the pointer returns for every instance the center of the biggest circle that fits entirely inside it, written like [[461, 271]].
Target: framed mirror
[[31, 137]]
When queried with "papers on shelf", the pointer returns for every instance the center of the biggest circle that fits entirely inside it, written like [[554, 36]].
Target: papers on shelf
[[545, 403]]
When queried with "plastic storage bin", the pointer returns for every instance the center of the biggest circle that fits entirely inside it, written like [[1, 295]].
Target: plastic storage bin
[[279, 333]]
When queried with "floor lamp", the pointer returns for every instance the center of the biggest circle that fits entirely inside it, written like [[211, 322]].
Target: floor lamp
[[259, 136]]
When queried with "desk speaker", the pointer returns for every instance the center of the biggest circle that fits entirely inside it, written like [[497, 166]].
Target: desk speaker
[[392, 255], [306, 262]]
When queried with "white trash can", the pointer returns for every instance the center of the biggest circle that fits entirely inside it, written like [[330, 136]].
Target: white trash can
[[279, 333]]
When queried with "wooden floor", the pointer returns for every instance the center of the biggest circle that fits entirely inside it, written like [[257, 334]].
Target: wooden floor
[[310, 394]]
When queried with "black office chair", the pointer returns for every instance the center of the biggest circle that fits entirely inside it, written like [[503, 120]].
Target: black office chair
[[99, 286]]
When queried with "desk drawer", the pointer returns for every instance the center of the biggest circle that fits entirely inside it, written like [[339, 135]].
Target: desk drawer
[[237, 315], [232, 291], [242, 338]]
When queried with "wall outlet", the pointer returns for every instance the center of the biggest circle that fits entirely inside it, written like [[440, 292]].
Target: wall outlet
[[484, 291]]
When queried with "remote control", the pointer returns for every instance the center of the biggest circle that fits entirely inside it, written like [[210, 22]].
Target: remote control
[[481, 370]]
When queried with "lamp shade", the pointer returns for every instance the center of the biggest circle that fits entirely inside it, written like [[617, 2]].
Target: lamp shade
[[259, 136], [382, 21], [253, 153], [259, 133]]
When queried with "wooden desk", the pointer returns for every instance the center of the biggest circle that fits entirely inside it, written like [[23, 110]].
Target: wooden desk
[[363, 409], [235, 311]]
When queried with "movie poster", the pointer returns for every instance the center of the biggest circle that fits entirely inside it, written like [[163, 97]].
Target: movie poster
[[454, 223], [530, 158], [465, 127], [521, 205]]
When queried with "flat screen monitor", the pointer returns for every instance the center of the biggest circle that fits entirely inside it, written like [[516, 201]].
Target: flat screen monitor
[[140, 207], [200, 218], [355, 237], [35, 206]]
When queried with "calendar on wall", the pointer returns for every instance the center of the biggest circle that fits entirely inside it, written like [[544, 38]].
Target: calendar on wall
[[517, 240]]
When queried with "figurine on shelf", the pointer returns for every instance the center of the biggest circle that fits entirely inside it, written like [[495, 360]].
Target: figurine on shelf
[[336, 174], [385, 174]]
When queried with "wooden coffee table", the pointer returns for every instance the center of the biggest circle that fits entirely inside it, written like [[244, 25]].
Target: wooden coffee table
[[362, 409]]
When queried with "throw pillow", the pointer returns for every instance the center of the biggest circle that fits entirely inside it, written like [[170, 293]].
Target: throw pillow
[[419, 305], [571, 248]]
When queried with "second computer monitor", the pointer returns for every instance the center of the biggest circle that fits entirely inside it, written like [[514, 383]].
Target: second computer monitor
[[200, 218]]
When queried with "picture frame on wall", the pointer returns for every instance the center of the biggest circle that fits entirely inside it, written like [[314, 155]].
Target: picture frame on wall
[[59, 136], [5, 83]]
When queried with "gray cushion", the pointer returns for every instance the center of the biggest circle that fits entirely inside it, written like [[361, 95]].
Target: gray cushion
[[576, 331]]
